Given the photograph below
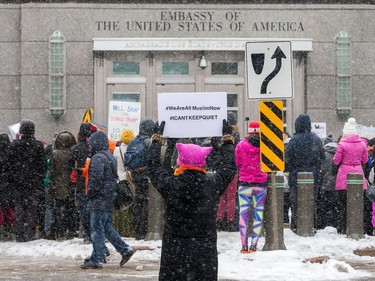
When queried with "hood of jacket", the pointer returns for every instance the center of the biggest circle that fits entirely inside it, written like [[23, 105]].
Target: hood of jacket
[[98, 141], [4, 141], [303, 124], [146, 128], [64, 140]]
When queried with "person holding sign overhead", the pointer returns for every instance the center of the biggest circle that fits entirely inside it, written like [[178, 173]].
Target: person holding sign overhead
[[189, 250]]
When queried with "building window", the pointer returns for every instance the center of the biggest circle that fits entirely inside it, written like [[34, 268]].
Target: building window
[[175, 68], [57, 74], [232, 103], [224, 68], [126, 68], [129, 97], [343, 75]]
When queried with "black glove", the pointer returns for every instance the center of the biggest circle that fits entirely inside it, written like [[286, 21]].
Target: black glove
[[159, 129], [215, 143], [227, 128]]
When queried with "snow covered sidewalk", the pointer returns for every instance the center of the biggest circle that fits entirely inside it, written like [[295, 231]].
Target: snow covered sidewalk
[[280, 265]]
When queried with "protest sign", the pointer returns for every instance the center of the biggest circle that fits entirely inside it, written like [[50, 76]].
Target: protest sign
[[14, 130], [190, 115], [320, 129], [123, 115]]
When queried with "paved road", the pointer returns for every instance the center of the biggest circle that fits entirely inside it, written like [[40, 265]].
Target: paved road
[[59, 269]]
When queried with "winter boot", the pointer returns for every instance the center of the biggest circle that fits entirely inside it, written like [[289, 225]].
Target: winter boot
[[91, 265], [252, 249], [126, 257], [220, 225], [232, 226], [244, 250]]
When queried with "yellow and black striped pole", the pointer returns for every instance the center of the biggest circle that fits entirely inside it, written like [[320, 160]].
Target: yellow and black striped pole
[[272, 160], [271, 136]]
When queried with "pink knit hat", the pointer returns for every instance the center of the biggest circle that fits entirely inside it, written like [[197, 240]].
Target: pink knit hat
[[192, 155]]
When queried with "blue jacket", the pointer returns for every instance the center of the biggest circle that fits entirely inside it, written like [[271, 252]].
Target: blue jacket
[[102, 179]]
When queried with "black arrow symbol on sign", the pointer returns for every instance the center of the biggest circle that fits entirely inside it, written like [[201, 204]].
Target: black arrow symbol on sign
[[278, 55]]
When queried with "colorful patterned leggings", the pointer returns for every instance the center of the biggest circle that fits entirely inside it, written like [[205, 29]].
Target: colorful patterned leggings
[[247, 194]]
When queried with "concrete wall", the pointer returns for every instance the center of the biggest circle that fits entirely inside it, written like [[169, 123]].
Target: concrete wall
[[27, 27]]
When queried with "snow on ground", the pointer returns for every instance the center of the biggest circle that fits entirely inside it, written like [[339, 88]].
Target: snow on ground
[[263, 265]]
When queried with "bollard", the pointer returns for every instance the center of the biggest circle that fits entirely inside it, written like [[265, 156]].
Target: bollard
[[354, 206], [305, 204], [273, 215], [155, 214]]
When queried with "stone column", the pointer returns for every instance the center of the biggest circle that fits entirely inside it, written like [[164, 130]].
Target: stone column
[[273, 214], [155, 214]]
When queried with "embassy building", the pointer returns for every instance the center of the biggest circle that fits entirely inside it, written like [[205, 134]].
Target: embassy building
[[59, 58]]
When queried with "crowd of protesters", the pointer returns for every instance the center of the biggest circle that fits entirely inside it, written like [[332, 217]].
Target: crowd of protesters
[[56, 191]]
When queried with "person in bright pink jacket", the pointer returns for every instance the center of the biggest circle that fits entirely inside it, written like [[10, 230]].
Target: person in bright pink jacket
[[351, 153], [252, 187]]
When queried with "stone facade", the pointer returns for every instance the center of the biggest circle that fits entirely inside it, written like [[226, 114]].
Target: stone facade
[[26, 28]]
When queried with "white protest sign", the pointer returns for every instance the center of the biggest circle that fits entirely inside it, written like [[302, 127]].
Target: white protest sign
[[14, 130], [189, 115], [366, 132], [123, 115], [320, 129]]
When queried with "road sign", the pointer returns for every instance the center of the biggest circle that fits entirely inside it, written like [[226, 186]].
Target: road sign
[[269, 70], [271, 136]]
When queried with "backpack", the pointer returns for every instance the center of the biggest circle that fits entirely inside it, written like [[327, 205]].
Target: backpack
[[135, 155]]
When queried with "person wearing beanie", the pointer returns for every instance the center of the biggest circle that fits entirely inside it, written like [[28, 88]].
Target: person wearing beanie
[[350, 127], [304, 153], [350, 155], [127, 136], [189, 243], [28, 170], [79, 155], [252, 187], [101, 194]]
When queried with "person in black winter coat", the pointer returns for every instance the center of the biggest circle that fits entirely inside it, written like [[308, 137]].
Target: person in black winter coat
[[6, 189], [189, 250], [77, 160], [304, 153], [63, 194], [28, 170], [141, 180], [101, 194], [328, 209]]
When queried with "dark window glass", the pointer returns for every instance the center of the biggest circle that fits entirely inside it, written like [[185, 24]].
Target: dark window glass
[[126, 68], [175, 68], [224, 68], [232, 100]]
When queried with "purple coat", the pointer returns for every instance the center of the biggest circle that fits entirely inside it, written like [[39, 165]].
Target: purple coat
[[350, 155], [248, 160]]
